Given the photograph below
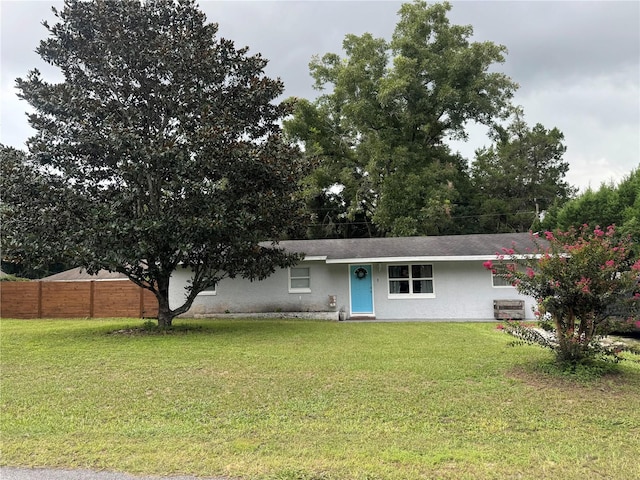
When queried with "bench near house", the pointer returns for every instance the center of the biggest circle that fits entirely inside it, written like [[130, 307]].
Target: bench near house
[[428, 278]]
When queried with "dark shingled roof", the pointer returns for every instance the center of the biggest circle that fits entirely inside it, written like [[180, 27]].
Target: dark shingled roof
[[446, 246]]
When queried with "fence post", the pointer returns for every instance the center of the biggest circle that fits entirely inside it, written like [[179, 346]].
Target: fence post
[[40, 299], [141, 301], [92, 297]]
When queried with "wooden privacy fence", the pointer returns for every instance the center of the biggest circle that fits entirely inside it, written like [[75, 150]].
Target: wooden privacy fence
[[84, 299]]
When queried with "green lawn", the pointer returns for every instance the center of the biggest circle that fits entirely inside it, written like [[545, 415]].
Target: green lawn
[[298, 399]]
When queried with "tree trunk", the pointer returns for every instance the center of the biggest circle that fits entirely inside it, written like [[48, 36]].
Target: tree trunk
[[561, 337], [165, 315], [571, 347]]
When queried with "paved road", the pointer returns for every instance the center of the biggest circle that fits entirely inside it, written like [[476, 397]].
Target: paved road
[[11, 473]]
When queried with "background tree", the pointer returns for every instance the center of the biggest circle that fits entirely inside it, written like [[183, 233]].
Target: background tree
[[33, 203], [519, 176], [379, 133], [609, 205], [585, 279], [167, 139]]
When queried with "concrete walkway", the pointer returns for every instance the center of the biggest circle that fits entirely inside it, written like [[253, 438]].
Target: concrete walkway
[[13, 473]]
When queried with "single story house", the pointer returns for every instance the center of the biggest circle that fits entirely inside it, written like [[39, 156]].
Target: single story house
[[428, 278]]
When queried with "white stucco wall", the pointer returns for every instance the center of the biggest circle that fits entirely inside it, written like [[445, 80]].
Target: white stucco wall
[[463, 290], [271, 295]]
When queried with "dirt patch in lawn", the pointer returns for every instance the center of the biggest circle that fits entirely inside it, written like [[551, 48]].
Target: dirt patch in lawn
[[610, 382], [154, 330]]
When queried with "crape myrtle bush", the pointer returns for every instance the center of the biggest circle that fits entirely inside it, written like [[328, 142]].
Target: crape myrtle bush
[[585, 282]]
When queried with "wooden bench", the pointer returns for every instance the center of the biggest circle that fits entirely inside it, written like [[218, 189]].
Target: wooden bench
[[508, 309]]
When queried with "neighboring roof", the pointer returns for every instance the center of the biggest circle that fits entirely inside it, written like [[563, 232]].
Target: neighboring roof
[[446, 247], [80, 274]]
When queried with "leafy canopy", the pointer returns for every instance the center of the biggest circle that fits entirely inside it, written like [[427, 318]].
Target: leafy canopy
[[519, 176], [379, 131], [608, 205], [163, 141]]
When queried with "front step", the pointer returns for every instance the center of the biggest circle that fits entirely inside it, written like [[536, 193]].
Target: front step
[[362, 317]]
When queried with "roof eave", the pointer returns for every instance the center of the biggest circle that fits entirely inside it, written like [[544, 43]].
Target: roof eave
[[424, 258], [427, 258], [314, 258]]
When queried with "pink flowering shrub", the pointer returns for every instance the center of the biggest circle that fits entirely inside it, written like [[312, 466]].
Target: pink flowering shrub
[[586, 280]]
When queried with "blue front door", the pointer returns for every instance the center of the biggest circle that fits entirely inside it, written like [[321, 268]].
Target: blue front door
[[361, 289]]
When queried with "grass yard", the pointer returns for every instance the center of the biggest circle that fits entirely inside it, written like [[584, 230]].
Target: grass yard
[[292, 399]]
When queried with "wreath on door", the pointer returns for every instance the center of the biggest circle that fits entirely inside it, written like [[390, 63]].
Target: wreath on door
[[360, 273]]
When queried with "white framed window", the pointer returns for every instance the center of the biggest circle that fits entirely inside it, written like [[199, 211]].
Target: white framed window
[[499, 275], [299, 280], [411, 280], [209, 290]]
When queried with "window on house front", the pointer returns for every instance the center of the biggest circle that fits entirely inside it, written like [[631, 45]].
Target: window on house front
[[209, 290], [499, 278], [416, 280], [299, 280]]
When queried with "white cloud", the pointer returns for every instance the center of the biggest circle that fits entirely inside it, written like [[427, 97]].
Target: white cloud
[[599, 117]]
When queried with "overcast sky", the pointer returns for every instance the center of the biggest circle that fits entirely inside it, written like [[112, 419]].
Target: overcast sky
[[577, 63]]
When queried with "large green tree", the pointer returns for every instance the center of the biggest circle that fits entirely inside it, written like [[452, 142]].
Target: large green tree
[[519, 176], [166, 142], [379, 130]]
